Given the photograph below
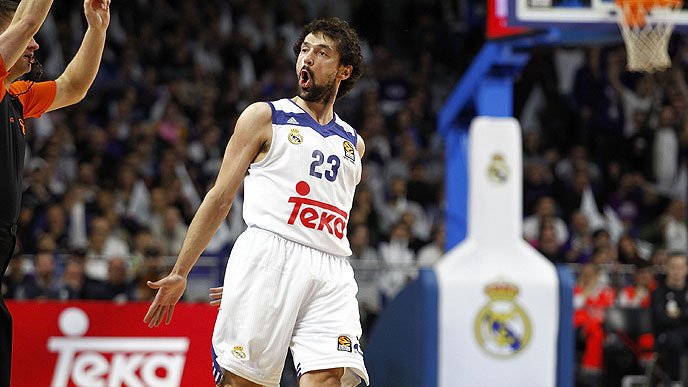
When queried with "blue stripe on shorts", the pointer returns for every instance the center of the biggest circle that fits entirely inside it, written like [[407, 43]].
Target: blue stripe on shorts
[[217, 370]]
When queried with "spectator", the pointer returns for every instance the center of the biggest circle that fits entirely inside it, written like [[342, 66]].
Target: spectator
[[43, 284], [398, 204], [670, 314], [591, 298], [102, 246], [16, 276], [545, 207], [638, 294], [579, 246], [55, 225], [618, 358], [665, 151], [171, 231], [152, 268], [628, 251], [673, 226], [547, 243], [143, 239], [431, 252], [399, 258], [72, 281], [117, 287], [367, 268]]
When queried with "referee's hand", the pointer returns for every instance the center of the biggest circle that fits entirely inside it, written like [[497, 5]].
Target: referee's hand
[[170, 290]]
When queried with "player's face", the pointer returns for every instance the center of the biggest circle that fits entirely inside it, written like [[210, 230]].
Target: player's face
[[317, 68]]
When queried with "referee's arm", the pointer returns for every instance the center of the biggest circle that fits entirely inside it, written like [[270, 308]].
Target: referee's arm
[[26, 22], [80, 73]]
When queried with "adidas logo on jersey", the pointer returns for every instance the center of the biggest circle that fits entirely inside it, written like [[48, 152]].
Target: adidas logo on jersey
[[292, 121]]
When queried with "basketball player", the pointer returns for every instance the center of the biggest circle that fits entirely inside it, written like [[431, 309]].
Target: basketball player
[[19, 22], [287, 284]]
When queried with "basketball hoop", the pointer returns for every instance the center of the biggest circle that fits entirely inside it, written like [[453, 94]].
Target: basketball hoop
[[646, 26]]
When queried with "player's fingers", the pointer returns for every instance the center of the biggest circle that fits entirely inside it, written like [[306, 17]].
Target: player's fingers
[[215, 302], [156, 285], [215, 295], [151, 311], [155, 317], [216, 290], [169, 315], [161, 316]]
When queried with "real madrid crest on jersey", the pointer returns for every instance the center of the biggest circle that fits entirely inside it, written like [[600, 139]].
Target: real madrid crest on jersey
[[295, 137], [498, 170], [349, 151], [502, 327]]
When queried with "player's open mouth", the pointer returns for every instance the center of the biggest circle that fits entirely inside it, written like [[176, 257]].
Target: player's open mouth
[[30, 58], [305, 79]]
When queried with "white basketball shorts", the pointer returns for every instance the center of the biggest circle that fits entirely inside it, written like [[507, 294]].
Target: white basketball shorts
[[281, 295]]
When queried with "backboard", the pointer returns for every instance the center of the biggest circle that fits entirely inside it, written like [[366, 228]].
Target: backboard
[[600, 14]]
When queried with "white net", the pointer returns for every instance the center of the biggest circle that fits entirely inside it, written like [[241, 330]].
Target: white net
[[646, 28]]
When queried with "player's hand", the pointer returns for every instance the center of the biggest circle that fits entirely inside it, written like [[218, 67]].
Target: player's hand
[[97, 13], [170, 290], [215, 296]]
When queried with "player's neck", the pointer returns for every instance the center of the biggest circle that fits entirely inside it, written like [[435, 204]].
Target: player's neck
[[321, 113]]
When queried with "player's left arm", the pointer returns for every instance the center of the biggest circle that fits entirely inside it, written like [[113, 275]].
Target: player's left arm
[[75, 81], [360, 146]]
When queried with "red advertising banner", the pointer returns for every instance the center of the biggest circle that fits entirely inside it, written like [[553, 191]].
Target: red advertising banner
[[105, 344]]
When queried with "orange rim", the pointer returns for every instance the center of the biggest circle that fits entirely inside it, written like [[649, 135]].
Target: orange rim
[[635, 10]]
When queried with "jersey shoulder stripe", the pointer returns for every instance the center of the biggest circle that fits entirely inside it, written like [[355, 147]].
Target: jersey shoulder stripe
[[286, 112]]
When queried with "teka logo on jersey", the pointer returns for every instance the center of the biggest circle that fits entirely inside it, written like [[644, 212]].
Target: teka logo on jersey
[[317, 215], [114, 361]]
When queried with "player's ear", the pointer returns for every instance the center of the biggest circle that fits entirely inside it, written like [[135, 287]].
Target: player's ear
[[345, 72]]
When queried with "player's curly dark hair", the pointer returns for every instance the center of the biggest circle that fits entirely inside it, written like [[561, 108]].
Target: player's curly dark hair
[[348, 46], [7, 9]]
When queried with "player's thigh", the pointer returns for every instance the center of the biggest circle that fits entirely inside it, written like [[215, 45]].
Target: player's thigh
[[326, 335], [231, 380], [322, 378], [260, 303]]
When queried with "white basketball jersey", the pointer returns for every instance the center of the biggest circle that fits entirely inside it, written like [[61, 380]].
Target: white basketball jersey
[[304, 188]]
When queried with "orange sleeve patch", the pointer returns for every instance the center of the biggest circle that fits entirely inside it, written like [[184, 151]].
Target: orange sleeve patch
[[38, 98]]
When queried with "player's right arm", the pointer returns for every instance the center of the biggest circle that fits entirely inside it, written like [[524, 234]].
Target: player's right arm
[[26, 22], [252, 132]]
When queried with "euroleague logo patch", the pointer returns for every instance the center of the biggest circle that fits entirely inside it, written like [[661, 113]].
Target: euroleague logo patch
[[344, 344], [349, 151]]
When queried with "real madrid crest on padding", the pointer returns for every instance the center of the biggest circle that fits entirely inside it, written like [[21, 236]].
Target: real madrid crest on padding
[[498, 169], [502, 327]]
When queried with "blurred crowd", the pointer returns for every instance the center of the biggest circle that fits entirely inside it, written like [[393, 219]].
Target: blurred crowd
[[605, 181], [113, 182]]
